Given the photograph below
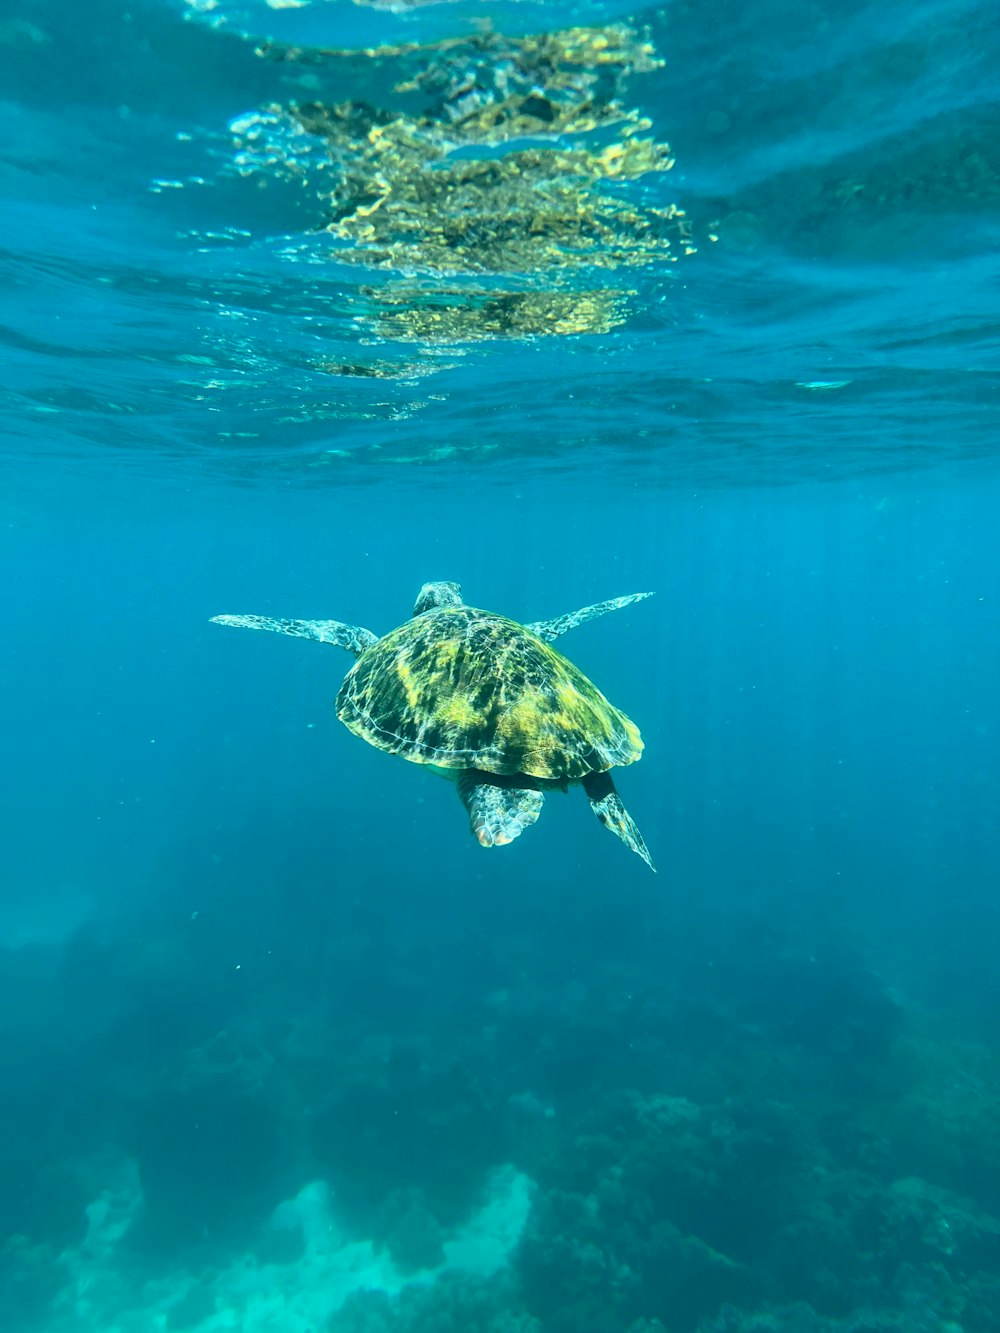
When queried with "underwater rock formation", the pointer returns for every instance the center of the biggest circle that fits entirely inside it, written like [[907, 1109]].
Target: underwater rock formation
[[217, 1130], [686, 1154]]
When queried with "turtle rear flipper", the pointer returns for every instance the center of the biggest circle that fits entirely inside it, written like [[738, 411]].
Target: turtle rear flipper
[[499, 811], [607, 806], [355, 638]]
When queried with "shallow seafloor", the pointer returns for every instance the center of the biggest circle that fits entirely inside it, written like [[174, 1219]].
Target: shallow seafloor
[[304, 304]]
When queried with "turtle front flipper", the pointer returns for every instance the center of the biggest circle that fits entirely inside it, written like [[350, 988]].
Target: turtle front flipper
[[607, 806], [499, 809], [355, 638], [551, 629]]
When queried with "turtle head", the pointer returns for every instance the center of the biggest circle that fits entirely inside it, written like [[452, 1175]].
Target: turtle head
[[433, 595]]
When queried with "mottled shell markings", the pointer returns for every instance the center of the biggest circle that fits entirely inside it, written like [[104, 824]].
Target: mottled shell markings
[[410, 690], [462, 688]]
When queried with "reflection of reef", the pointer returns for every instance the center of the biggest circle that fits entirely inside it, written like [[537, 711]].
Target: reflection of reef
[[407, 311], [517, 164], [381, 370], [873, 200]]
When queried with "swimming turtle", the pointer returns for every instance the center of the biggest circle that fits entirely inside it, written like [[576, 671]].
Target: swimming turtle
[[487, 702]]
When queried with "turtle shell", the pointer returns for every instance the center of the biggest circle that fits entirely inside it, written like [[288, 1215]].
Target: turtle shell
[[463, 688]]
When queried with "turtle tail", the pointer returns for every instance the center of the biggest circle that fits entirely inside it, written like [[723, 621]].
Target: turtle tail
[[499, 810], [607, 806]]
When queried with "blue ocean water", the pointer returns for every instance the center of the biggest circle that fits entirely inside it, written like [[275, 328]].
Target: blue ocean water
[[305, 304]]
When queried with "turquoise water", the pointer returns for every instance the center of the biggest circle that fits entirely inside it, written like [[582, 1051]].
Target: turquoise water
[[306, 305]]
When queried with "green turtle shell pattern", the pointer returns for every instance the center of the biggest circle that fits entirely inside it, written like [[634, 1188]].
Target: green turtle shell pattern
[[463, 688]]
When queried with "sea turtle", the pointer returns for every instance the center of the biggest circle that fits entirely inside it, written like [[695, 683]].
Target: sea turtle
[[486, 702]]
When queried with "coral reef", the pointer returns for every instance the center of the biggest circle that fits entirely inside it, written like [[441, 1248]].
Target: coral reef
[[218, 1126], [520, 1145]]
